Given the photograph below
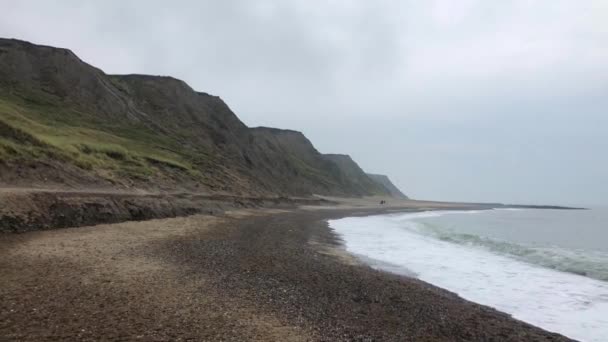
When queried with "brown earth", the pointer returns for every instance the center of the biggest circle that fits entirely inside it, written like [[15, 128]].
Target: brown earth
[[246, 275], [25, 209]]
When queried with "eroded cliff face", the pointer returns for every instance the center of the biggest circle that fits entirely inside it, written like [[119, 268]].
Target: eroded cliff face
[[65, 123], [386, 182], [348, 172]]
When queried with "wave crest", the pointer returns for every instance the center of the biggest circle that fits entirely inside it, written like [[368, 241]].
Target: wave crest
[[584, 263]]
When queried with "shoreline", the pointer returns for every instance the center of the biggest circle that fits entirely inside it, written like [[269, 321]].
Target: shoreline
[[33, 209], [553, 297], [263, 274]]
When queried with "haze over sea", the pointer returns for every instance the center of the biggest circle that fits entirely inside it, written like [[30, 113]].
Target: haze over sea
[[546, 267]]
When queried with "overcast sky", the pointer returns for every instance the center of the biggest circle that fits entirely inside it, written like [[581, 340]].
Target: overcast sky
[[454, 100]]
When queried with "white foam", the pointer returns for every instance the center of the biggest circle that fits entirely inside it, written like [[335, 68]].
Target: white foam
[[569, 304]]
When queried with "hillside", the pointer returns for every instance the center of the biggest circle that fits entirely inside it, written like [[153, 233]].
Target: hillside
[[64, 123], [350, 173], [386, 182]]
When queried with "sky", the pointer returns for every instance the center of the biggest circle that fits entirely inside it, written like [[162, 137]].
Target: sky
[[455, 100]]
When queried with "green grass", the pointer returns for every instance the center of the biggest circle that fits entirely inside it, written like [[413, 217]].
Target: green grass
[[43, 130], [38, 127]]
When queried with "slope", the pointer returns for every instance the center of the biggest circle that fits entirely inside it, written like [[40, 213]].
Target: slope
[[64, 123], [386, 182]]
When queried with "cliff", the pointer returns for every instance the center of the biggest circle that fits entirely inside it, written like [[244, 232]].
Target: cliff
[[65, 123], [349, 172], [386, 182]]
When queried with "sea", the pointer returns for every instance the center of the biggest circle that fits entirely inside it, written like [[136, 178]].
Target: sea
[[545, 267]]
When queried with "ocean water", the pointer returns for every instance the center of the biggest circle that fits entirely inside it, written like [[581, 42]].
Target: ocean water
[[546, 267]]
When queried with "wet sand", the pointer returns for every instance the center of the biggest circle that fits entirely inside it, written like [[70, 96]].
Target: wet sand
[[247, 275]]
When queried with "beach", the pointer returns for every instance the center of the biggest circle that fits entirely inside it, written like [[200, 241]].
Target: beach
[[242, 275]]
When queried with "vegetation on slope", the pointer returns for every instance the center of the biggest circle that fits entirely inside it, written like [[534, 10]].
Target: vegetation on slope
[[48, 132], [82, 126], [386, 183]]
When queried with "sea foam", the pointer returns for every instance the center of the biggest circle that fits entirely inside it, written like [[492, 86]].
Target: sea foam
[[570, 304]]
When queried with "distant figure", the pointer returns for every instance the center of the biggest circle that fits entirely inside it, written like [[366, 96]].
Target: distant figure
[[382, 202]]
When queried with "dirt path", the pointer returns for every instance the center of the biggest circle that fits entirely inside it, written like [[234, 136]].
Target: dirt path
[[245, 276]]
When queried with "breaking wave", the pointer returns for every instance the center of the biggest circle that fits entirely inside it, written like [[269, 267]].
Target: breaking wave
[[593, 264]]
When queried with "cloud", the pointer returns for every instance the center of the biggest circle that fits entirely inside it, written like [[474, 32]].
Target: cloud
[[427, 75]]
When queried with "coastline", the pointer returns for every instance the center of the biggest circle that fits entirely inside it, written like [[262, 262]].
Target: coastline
[[497, 258], [263, 274]]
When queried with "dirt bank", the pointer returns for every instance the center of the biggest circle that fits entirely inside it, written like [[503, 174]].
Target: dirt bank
[[23, 210]]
